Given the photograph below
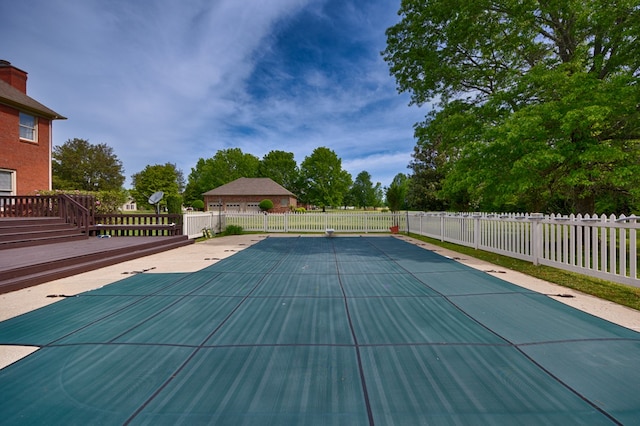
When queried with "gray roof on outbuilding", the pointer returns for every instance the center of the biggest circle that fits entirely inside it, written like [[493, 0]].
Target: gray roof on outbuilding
[[251, 186]]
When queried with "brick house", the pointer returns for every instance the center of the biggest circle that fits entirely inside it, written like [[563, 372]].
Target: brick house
[[25, 136], [245, 194]]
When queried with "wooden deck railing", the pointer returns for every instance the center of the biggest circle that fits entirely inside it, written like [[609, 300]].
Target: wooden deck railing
[[75, 210], [80, 210], [28, 206], [137, 225], [74, 213]]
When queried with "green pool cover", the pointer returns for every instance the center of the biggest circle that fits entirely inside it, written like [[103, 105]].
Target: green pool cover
[[327, 331]]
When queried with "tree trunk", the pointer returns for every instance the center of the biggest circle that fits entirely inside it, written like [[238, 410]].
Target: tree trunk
[[585, 204]]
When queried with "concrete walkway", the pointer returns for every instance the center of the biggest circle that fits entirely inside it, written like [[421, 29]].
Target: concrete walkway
[[200, 255]]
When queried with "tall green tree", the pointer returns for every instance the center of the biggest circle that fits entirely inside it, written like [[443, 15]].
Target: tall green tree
[[363, 193], [323, 182], [537, 102], [77, 164], [396, 193], [225, 166], [281, 167], [159, 177], [378, 195], [429, 166]]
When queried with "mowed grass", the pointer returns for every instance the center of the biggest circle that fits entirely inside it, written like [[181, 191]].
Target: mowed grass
[[607, 290]]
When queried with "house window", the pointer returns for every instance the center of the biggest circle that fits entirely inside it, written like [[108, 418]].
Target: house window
[[6, 182], [28, 129]]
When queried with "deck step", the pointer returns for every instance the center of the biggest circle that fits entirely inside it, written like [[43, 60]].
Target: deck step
[[30, 221], [32, 234], [28, 232], [48, 240], [8, 229], [12, 279]]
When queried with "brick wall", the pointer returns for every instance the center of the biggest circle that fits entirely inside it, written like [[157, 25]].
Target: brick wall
[[14, 76], [29, 160]]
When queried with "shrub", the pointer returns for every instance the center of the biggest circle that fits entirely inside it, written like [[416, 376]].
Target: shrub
[[265, 205], [198, 205], [233, 230], [174, 204], [110, 201], [301, 210]]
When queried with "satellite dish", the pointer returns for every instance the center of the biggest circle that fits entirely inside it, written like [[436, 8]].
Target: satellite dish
[[156, 197]]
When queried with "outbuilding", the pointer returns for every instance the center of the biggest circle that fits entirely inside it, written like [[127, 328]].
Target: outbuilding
[[245, 194]]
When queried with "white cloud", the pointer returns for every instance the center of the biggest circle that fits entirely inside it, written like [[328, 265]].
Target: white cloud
[[164, 81], [382, 167]]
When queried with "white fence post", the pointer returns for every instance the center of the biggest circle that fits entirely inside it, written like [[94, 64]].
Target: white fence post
[[536, 236], [476, 231], [407, 221], [633, 254]]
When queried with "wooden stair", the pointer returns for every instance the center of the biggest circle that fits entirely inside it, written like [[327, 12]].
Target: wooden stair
[[28, 266], [34, 231]]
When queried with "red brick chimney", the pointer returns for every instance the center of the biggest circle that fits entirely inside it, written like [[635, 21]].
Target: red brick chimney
[[14, 76]]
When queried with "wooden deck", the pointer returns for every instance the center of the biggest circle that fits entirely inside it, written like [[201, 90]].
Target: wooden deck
[[27, 266]]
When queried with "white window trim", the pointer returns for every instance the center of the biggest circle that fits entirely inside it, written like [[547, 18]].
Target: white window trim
[[33, 129], [12, 173]]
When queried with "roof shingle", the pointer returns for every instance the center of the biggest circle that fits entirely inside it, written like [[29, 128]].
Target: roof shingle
[[14, 98], [251, 186]]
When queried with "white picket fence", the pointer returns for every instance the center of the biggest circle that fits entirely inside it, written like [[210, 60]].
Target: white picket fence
[[317, 222], [598, 246], [195, 222]]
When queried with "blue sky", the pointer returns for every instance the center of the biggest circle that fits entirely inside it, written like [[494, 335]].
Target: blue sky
[[174, 81]]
